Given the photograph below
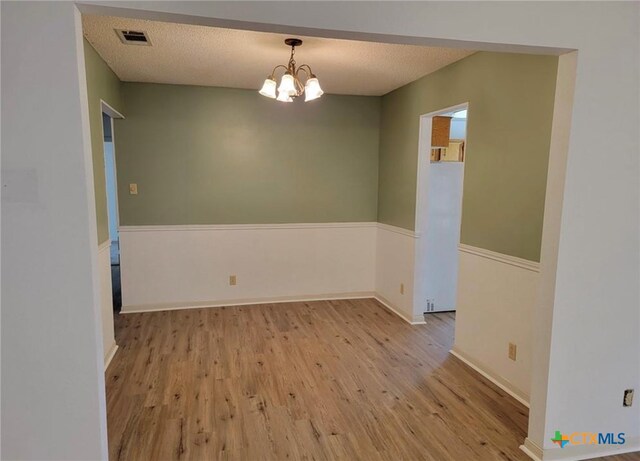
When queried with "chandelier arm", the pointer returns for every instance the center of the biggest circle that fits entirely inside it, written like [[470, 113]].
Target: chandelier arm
[[273, 72], [307, 70]]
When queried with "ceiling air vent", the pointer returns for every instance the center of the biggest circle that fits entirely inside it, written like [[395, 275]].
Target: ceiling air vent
[[133, 37]]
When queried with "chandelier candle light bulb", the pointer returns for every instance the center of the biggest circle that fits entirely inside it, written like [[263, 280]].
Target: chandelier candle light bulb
[[269, 88], [312, 89], [290, 84], [283, 96], [287, 85]]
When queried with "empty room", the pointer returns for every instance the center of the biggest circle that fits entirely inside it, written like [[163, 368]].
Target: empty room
[[302, 238]]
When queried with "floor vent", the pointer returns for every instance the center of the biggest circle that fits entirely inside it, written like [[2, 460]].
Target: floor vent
[[133, 37]]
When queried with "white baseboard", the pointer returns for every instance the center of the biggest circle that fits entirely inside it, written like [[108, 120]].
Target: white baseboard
[[388, 305], [532, 450], [283, 299], [243, 302], [498, 381], [110, 355]]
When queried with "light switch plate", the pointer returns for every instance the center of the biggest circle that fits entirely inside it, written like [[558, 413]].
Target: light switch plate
[[133, 189]]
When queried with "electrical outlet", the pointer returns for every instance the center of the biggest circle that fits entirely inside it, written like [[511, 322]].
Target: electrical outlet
[[133, 189], [232, 280], [402, 288], [628, 398], [513, 351]]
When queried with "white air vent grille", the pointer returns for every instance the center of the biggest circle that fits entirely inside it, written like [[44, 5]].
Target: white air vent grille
[[133, 37]]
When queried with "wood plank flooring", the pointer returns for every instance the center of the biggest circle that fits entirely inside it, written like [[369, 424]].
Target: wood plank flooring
[[306, 381]]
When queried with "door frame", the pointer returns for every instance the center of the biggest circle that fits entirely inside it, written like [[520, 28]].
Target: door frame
[[422, 199], [112, 113]]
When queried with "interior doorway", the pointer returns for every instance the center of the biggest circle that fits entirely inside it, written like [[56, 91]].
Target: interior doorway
[[443, 136], [111, 183]]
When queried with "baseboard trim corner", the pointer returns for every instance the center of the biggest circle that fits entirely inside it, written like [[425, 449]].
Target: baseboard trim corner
[[532, 450], [501, 383], [110, 355], [389, 306]]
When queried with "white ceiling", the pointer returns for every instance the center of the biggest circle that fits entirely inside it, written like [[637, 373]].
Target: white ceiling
[[199, 55]]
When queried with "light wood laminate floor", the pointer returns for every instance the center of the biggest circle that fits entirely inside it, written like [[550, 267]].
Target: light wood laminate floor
[[307, 380]]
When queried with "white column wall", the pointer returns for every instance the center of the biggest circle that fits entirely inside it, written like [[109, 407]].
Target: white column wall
[[53, 403]]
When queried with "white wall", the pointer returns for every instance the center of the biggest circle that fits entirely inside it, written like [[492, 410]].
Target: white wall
[[437, 257], [183, 266], [496, 303], [395, 252], [53, 403]]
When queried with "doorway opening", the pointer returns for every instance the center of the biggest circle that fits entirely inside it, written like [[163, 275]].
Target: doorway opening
[[442, 153], [111, 182]]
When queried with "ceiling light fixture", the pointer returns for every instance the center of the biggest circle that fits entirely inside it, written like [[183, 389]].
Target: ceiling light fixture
[[290, 84]]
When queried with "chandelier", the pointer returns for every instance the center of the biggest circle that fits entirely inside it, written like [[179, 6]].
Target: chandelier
[[290, 85]]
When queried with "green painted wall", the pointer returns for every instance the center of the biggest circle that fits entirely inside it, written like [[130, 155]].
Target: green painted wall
[[203, 155], [508, 135], [103, 84]]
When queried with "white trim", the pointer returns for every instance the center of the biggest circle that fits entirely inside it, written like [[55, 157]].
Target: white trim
[[110, 111], [106, 245], [115, 178], [136, 309], [110, 355], [506, 259], [501, 383], [532, 450], [398, 230], [257, 301], [389, 306], [226, 227]]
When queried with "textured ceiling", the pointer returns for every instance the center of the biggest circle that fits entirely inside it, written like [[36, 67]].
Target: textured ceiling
[[209, 56]]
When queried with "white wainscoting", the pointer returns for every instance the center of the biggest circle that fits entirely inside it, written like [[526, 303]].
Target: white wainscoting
[[106, 302], [165, 267], [395, 258], [496, 298]]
